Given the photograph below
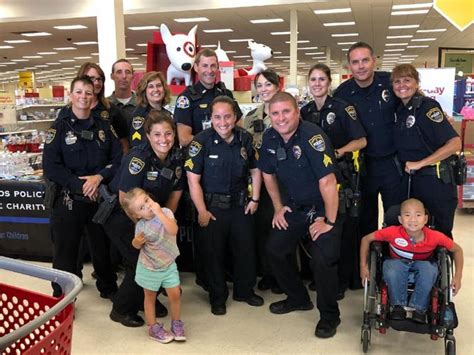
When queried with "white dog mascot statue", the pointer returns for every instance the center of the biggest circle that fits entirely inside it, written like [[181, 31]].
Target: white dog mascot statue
[[181, 51], [221, 54], [259, 53]]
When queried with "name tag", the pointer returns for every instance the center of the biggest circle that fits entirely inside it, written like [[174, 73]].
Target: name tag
[[152, 175]]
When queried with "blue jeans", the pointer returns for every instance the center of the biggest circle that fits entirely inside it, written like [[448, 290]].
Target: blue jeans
[[395, 274]]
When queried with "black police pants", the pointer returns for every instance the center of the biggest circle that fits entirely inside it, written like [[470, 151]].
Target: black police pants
[[231, 228], [439, 198], [281, 249], [67, 227], [121, 231], [263, 226], [382, 177], [349, 275]]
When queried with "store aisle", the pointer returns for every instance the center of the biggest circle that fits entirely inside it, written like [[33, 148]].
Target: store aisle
[[248, 329]]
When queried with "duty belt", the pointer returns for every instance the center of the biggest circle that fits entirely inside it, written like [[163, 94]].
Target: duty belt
[[225, 201]]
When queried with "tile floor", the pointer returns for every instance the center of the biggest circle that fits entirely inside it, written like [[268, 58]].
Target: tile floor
[[248, 329]]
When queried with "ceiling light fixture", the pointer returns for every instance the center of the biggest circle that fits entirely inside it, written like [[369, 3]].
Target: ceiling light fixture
[[191, 19], [392, 55], [345, 34], [421, 46], [47, 53], [267, 20], [141, 44], [143, 28], [85, 57], [409, 56], [412, 6], [281, 33], [395, 44], [394, 50], [315, 53], [19, 60], [64, 48], [36, 34], [208, 45], [85, 43], [14, 41], [332, 24], [333, 11], [66, 60], [32, 56], [402, 27], [428, 31], [240, 40], [345, 43], [305, 48], [241, 56], [410, 12], [70, 27], [300, 41], [129, 49], [402, 36], [218, 30], [6, 47]]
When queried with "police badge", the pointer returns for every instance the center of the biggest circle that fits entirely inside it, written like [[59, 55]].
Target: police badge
[[330, 117], [297, 151], [135, 166], [385, 95], [102, 135], [104, 115], [410, 121], [243, 153]]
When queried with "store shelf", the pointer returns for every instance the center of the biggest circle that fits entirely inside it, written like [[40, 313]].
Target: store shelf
[[36, 121], [40, 106], [18, 132]]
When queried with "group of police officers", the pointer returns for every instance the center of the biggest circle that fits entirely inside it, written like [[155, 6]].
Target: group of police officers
[[299, 161]]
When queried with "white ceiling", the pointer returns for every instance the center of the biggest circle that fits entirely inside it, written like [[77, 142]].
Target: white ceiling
[[372, 21]]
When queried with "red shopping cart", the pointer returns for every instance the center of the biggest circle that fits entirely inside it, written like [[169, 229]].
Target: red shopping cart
[[34, 323]]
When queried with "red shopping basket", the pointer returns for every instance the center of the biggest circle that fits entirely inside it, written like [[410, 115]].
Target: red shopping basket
[[34, 323]]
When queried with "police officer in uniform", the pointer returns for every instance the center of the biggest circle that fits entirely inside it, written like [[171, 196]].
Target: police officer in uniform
[[425, 142], [123, 96], [192, 113], [339, 121], [221, 159], [103, 108], [256, 122], [157, 167], [371, 94], [153, 93], [81, 151], [298, 155]]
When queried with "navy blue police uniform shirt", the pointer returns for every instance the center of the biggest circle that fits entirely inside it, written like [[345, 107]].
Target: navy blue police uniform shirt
[[115, 117], [142, 168], [224, 167], [67, 155], [337, 118], [421, 128], [136, 131], [308, 157], [193, 106], [375, 106]]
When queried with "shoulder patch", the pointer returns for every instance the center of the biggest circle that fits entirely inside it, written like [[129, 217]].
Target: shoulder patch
[[50, 135], [351, 112], [136, 165], [182, 102], [137, 122], [194, 148], [317, 142], [435, 115]]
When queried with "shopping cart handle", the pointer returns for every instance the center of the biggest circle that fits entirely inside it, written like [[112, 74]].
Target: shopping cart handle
[[70, 284]]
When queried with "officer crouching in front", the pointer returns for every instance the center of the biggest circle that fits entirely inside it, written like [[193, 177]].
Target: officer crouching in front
[[298, 155], [80, 152], [221, 158]]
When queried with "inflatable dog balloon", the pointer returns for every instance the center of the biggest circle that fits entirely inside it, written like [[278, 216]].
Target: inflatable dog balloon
[[259, 53], [221, 54], [181, 51]]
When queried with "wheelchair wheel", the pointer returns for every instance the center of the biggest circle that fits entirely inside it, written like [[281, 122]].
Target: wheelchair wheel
[[365, 338], [372, 291], [450, 346]]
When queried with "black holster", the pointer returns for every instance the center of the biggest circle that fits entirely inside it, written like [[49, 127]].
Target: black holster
[[51, 193], [106, 206]]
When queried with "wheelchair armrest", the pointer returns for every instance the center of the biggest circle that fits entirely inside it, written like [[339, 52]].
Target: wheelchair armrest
[[440, 251], [376, 246]]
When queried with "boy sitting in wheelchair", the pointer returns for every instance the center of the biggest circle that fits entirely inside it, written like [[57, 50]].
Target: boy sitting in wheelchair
[[411, 247]]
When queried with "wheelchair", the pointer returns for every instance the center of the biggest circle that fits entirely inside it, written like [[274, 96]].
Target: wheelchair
[[441, 314]]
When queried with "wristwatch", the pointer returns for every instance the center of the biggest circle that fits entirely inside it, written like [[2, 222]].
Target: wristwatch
[[328, 222]]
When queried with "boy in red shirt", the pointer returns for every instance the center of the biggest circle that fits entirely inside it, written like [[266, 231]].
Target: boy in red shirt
[[411, 246]]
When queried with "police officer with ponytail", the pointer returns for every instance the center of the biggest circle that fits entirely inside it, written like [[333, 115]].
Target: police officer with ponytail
[[156, 166], [339, 121]]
